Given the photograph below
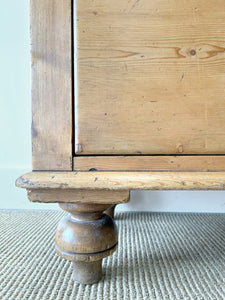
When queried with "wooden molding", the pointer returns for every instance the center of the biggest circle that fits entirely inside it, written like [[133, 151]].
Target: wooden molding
[[123, 180]]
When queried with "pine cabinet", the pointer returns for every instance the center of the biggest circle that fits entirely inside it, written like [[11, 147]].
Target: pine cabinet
[[125, 95]]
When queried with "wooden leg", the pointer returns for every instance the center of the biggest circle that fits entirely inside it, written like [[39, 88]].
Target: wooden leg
[[85, 237], [111, 211], [87, 272]]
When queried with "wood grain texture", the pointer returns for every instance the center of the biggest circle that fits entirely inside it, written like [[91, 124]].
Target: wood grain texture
[[77, 196], [86, 221], [51, 53], [123, 180], [151, 77], [150, 163]]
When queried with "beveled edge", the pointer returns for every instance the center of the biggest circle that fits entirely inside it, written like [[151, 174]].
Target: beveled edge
[[95, 180]]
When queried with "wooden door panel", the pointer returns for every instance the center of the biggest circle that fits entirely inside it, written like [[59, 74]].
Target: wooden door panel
[[150, 77]]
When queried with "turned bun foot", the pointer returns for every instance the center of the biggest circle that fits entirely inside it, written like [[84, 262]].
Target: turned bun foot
[[85, 237]]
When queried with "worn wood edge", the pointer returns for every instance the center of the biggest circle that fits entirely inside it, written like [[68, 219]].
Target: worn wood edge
[[77, 196], [123, 180], [150, 163]]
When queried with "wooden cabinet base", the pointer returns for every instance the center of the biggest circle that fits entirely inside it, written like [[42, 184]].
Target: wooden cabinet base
[[85, 237], [88, 233]]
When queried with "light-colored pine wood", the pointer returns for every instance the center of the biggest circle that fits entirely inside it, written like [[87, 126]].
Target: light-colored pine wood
[[77, 196], [150, 163], [151, 77], [123, 180], [51, 54]]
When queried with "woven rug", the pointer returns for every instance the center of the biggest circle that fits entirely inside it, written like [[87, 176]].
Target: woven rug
[[160, 256]]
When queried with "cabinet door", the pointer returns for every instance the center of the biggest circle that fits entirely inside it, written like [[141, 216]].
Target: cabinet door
[[150, 77]]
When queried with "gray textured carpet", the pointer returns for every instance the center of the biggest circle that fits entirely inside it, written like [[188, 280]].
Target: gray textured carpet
[[160, 256]]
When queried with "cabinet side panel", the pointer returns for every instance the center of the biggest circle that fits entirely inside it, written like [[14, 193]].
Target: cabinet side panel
[[51, 54]]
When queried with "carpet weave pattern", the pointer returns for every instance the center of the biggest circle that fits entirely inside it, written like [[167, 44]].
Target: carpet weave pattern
[[160, 256]]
